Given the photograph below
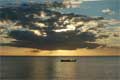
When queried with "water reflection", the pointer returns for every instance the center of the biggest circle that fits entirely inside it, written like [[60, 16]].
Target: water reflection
[[44, 69], [51, 68], [65, 70]]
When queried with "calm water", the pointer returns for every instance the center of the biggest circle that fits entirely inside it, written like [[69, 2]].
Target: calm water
[[51, 68]]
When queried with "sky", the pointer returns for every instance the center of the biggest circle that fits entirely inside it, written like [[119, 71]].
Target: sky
[[13, 1], [40, 0]]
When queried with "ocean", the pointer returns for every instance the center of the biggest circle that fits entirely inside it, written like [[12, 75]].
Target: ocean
[[51, 68]]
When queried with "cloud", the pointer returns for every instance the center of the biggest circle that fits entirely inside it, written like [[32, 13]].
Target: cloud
[[92, 0]]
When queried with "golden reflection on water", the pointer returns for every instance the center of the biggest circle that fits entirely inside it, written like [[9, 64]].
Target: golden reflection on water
[[54, 69], [51, 68], [65, 70]]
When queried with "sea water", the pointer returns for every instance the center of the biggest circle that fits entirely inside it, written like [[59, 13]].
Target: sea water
[[51, 68]]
